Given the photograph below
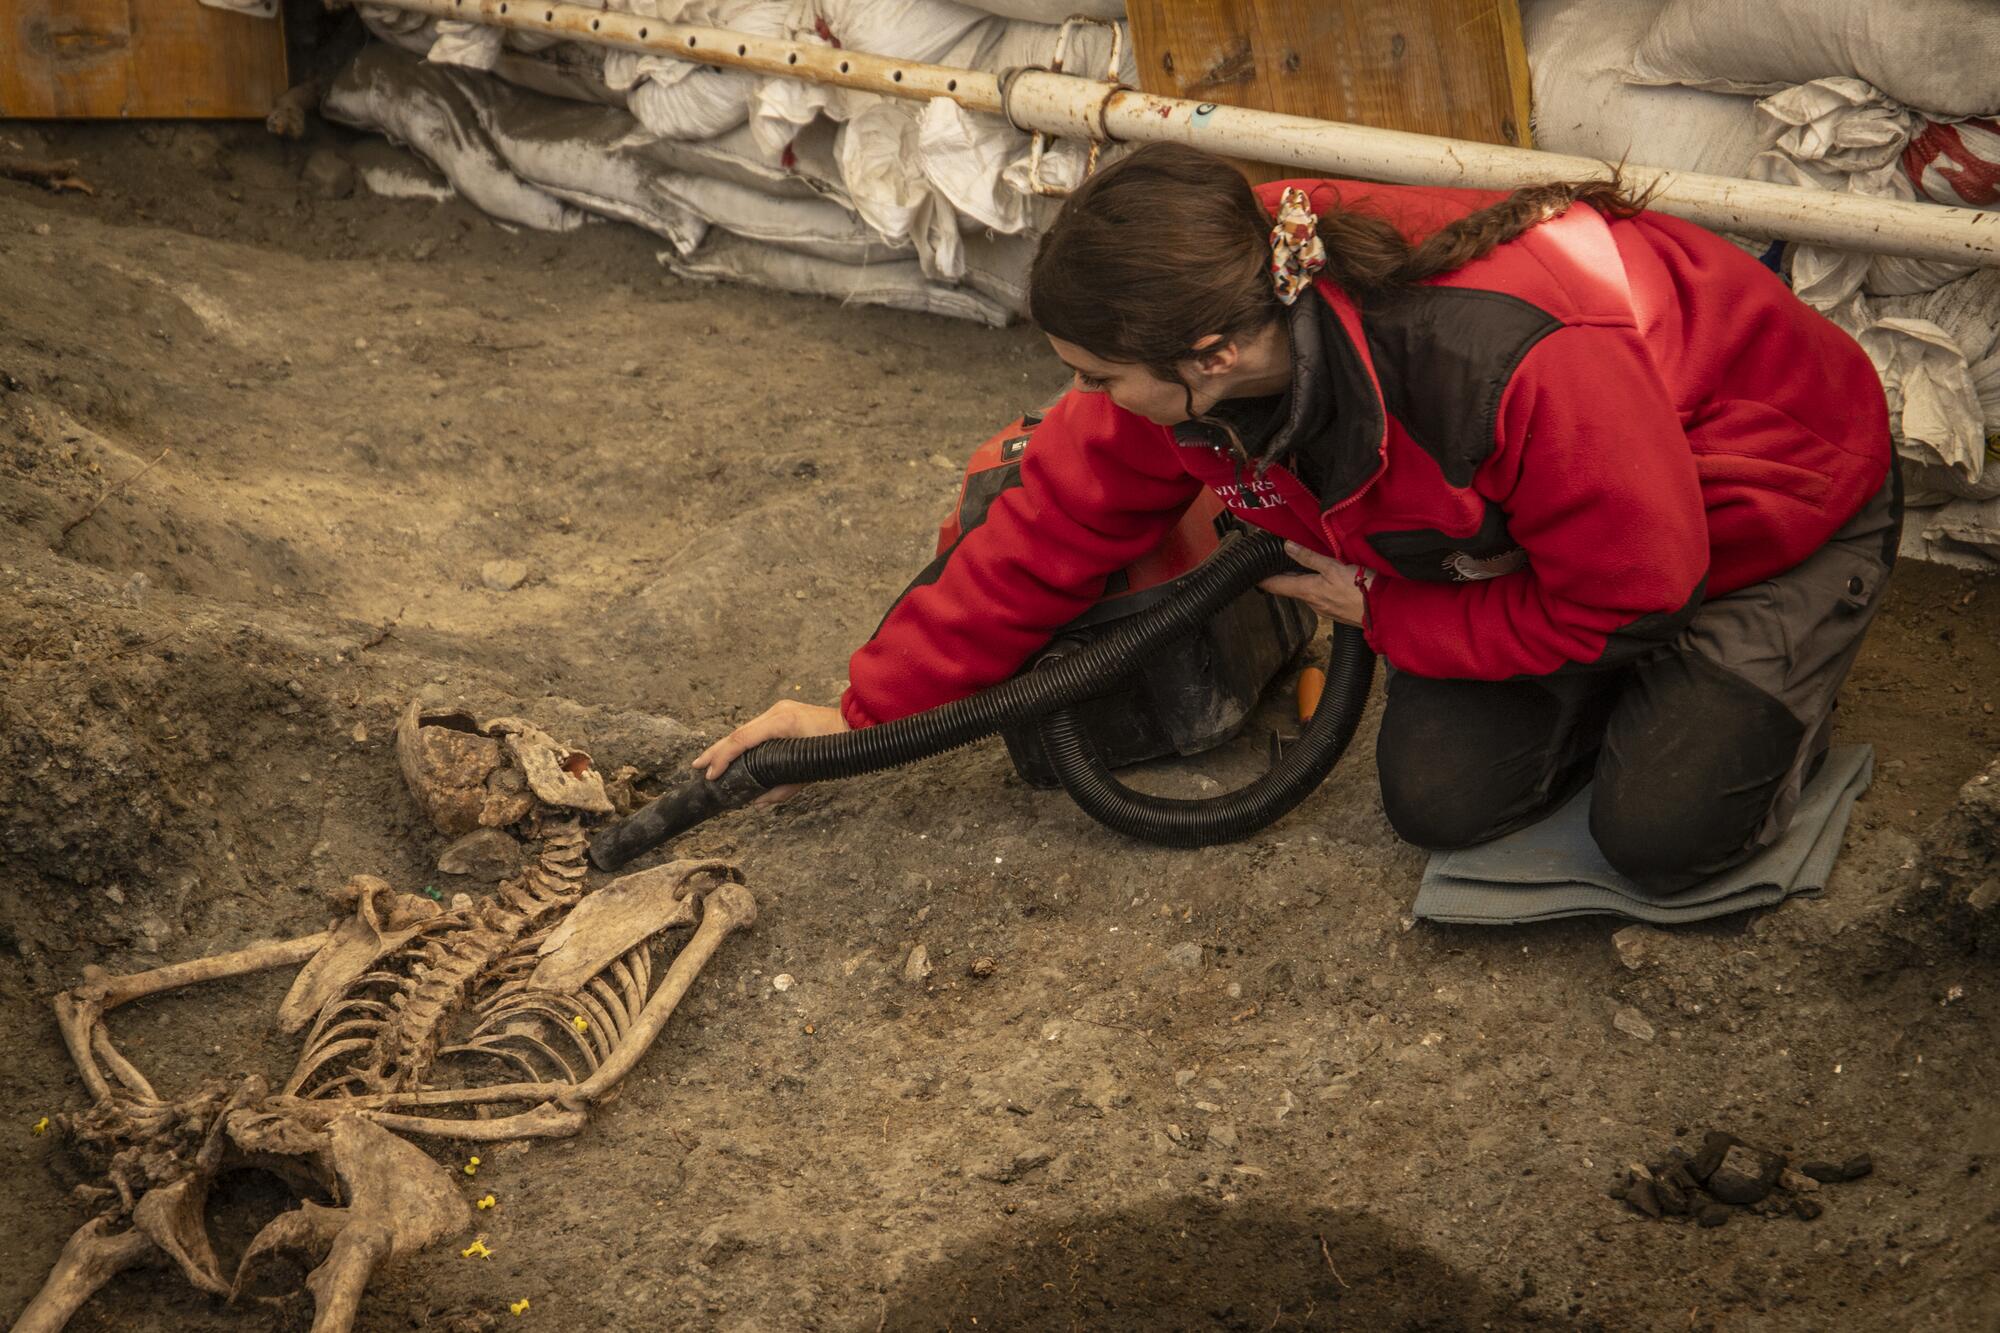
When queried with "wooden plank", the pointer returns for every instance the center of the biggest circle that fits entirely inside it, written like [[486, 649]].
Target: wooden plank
[[86, 59], [1451, 67]]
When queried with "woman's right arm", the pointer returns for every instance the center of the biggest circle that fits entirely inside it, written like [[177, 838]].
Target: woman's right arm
[[787, 717], [1099, 489]]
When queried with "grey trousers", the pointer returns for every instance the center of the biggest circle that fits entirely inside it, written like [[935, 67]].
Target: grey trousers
[[1698, 751]]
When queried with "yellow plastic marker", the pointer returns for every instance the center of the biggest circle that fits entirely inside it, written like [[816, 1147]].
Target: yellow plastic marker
[[41, 1126], [519, 1307], [580, 1023], [471, 1168], [486, 1203], [477, 1247]]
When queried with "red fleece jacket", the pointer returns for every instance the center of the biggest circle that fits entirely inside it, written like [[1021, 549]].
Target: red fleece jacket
[[1584, 431]]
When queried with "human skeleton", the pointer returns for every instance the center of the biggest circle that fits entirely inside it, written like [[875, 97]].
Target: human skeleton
[[505, 1017]]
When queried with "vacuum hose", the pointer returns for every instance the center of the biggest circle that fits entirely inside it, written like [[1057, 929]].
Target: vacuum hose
[[1172, 822], [1242, 560]]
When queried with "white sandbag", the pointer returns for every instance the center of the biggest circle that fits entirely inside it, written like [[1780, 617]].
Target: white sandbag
[[403, 183], [781, 108], [877, 154], [1845, 127], [1933, 405], [679, 100], [466, 45], [997, 266], [1967, 310], [1964, 534], [819, 227], [1935, 54], [379, 90], [736, 157], [925, 30], [1577, 50], [593, 157], [812, 157], [900, 284], [1843, 135], [683, 99], [573, 70], [922, 30], [470, 45], [1955, 396], [400, 28], [979, 164], [964, 157]]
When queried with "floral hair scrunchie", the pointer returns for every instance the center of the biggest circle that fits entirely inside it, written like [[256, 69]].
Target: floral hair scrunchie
[[1296, 250]]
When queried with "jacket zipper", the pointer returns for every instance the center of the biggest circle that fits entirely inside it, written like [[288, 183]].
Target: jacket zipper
[[1326, 527]]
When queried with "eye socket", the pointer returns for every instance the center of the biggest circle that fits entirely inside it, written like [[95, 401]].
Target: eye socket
[[1091, 383]]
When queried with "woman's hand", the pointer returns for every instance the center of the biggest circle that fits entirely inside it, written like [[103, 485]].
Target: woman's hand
[[787, 717], [1330, 589]]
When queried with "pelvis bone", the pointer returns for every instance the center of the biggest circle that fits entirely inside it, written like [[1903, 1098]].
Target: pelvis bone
[[502, 1017]]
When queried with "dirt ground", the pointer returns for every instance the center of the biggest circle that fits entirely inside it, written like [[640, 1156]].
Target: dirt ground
[[305, 425]]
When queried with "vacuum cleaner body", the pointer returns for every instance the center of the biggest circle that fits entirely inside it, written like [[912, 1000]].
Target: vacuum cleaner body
[[1192, 696]]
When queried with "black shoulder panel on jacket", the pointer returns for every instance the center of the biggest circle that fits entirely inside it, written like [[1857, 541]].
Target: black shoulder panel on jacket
[[1443, 356]]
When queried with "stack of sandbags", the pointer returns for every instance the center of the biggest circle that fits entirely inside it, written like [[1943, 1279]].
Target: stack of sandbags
[[553, 164], [769, 180], [1843, 95]]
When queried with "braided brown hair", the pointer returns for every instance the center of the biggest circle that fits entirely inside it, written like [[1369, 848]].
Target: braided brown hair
[[1169, 244]]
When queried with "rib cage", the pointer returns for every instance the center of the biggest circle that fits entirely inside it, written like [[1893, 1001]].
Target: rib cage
[[535, 1031], [383, 1032]]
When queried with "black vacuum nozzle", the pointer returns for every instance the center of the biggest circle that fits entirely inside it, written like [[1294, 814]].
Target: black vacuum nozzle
[[679, 810]]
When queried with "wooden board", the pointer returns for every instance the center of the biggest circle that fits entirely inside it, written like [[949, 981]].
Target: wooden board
[[85, 59], [1452, 67]]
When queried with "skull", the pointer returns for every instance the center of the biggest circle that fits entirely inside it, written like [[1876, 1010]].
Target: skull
[[470, 775]]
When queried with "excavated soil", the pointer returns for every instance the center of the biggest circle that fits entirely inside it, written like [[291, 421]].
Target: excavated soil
[[299, 427]]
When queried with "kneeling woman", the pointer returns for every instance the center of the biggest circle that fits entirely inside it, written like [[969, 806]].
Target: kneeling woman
[[1606, 496]]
